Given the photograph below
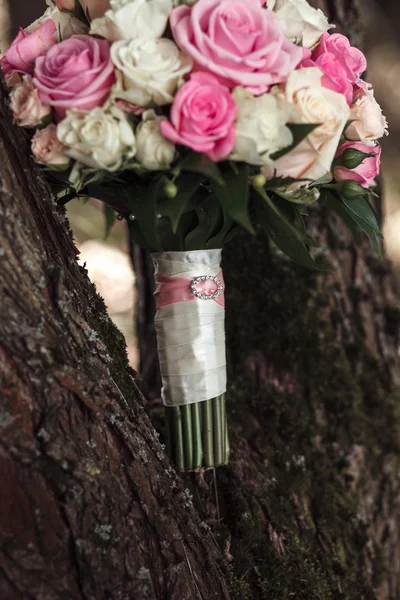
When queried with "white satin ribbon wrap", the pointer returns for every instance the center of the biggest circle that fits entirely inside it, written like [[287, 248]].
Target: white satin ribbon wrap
[[190, 335]]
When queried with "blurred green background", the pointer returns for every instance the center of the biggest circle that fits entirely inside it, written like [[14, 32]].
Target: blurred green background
[[108, 261]]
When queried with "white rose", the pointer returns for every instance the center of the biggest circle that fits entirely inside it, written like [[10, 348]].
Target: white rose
[[311, 103], [150, 70], [261, 126], [67, 25], [154, 152], [130, 19], [25, 104], [101, 138], [47, 148], [301, 23], [368, 123]]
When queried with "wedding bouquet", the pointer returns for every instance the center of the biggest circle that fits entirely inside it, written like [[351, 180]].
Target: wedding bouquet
[[190, 119]]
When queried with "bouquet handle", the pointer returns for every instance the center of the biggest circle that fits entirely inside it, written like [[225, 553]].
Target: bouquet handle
[[190, 326]]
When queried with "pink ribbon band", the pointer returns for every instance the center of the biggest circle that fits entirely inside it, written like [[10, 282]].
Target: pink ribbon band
[[170, 290]]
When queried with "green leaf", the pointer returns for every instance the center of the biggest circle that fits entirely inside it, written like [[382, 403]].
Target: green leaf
[[299, 195], [363, 213], [144, 207], [200, 163], [57, 175], [281, 182], [186, 199], [139, 200], [348, 189], [219, 239], [281, 231], [352, 220], [299, 132], [109, 215], [364, 221], [288, 209], [233, 165], [176, 241], [137, 235], [372, 236], [210, 218], [234, 196], [116, 196], [337, 205], [369, 232]]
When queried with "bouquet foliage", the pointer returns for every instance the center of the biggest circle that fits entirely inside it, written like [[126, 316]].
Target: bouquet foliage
[[190, 119]]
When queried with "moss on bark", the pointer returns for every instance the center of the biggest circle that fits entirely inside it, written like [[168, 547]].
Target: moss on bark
[[321, 417]]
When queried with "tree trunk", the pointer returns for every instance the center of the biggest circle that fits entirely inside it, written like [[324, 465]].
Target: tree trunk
[[309, 505], [89, 506], [145, 309]]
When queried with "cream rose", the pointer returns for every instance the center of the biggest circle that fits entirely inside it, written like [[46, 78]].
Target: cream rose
[[301, 23], [25, 104], [261, 126], [101, 138], [311, 103], [154, 152], [66, 23], [368, 123], [68, 5], [47, 148], [150, 70], [132, 19]]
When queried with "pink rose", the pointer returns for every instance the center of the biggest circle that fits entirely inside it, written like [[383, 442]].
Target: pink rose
[[351, 59], [25, 104], [25, 49], [365, 173], [238, 41], [78, 73], [341, 64], [47, 148], [203, 115], [334, 74]]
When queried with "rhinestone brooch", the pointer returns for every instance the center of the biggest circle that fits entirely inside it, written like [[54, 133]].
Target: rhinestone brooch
[[206, 296]]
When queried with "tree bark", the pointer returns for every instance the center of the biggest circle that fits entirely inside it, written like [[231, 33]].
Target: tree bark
[[309, 504], [89, 506]]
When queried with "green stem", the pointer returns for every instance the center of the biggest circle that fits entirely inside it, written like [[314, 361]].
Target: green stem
[[197, 434], [197, 441], [178, 456], [227, 444], [186, 414], [208, 441], [219, 438], [224, 428]]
